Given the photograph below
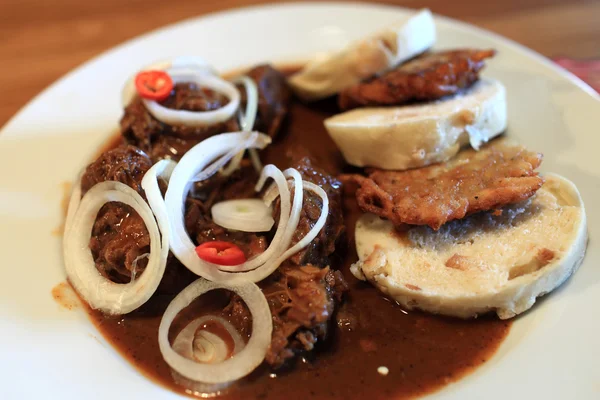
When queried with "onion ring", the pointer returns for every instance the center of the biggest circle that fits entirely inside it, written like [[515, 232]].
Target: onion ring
[[250, 357], [184, 341], [181, 63], [249, 116], [98, 291], [245, 215], [247, 120], [219, 163], [197, 118], [194, 163], [162, 169]]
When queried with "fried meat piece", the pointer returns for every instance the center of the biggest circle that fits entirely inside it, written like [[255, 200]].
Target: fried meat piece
[[473, 181], [428, 77]]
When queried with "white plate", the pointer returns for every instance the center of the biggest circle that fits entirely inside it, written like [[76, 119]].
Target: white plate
[[552, 352]]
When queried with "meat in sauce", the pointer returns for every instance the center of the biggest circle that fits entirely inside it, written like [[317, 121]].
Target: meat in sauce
[[120, 240], [305, 291], [343, 329], [161, 140]]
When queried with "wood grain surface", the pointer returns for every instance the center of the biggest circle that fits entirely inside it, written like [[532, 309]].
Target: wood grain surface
[[41, 40]]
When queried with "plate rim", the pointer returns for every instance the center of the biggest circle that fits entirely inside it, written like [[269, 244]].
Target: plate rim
[[455, 24]]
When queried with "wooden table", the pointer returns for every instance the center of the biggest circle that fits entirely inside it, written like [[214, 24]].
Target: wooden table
[[41, 40]]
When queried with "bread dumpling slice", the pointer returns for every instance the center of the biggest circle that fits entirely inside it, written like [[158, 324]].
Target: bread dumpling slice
[[328, 75], [495, 261], [399, 138]]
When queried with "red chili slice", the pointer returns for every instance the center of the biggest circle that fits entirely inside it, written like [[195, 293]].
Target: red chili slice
[[153, 85], [222, 253]]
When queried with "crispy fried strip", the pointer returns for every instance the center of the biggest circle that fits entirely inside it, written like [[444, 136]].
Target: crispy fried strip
[[470, 183], [428, 77]]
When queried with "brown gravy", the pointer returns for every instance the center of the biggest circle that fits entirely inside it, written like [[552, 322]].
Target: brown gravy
[[422, 352]]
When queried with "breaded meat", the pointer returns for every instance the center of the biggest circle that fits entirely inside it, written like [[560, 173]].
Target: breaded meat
[[428, 77], [473, 181]]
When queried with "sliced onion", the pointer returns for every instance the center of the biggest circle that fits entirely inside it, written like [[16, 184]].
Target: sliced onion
[[191, 164], [182, 63], [234, 165], [98, 291], [255, 159], [185, 346], [219, 163], [197, 118], [247, 121], [199, 389], [246, 215], [249, 116], [135, 262], [259, 267], [250, 357], [163, 170], [212, 348]]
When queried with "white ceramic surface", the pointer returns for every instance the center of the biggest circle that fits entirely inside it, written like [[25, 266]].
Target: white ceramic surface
[[552, 352]]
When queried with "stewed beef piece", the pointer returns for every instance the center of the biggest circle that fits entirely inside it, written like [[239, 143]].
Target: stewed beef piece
[[120, 240], [126, 164], [303, 300], [304, 292], [119, 237], [274, 97]]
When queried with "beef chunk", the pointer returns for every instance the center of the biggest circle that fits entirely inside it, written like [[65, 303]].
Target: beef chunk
[[161, 140], [304, 293], [125, 164], [119, 239], [119, 236], [273, 98], [302, 301]]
